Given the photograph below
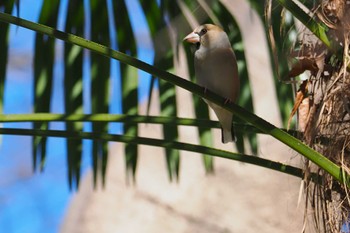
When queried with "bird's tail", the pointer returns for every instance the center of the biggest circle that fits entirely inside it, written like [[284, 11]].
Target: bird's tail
[[228, 135], [225, 119]]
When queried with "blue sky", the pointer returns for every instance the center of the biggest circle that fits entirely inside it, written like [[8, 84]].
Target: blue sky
[[33, 202]]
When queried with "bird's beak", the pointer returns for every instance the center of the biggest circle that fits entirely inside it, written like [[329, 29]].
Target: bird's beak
[[192, 38]]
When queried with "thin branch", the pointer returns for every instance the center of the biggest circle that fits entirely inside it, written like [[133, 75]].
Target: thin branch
[[284, 168], [104, 117]]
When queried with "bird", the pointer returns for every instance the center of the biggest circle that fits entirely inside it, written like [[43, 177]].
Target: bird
[[216, 70]]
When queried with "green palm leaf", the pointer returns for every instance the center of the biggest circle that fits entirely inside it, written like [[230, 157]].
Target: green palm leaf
[[129, 79], [4, 43], [163, 59], [73, 87], [43, 76], [100, 89]]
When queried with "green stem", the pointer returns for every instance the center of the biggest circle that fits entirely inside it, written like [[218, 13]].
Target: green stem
[[287, 169], [102, 117], [240, 112]]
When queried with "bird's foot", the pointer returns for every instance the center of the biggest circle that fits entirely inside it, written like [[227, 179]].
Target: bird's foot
[[227, 101], [205, 90]]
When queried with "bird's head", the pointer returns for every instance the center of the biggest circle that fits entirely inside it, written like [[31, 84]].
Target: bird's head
[[208, 36]]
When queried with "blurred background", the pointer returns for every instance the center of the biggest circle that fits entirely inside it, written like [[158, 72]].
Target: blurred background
[[165, 196], [30, 202], [21, 188]]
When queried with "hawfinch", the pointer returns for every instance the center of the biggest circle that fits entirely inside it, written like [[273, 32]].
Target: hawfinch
[[216, 69]]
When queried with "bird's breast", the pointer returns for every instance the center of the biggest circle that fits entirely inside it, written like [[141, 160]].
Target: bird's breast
[[217, 71]]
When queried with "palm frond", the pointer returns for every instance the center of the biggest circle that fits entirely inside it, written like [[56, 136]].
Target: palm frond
[[43, 76], [240, 112], [73, 87], [129, 79]]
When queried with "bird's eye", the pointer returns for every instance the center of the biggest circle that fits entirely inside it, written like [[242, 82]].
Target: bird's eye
[[203, 31]]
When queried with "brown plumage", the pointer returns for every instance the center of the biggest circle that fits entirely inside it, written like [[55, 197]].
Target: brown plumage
[[216, 69]]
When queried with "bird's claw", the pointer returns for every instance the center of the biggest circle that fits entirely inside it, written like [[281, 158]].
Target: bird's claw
[[227, 101], [205, 90]]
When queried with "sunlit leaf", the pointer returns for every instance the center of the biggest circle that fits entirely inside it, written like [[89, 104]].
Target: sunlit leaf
[[4, 43], [129, 79], [73, 87], [100, 74], [163, 59], [43, 76]]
